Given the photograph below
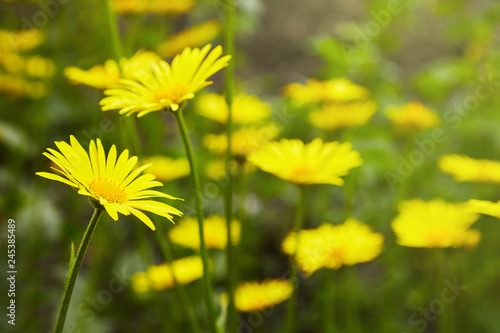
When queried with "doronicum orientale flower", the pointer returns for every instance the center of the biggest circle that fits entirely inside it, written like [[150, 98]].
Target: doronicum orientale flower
[[173, 7], [161, 86], [254, 296], [246, 109], [466, 169], [186, 232], [159, 277], [413, 116], [434, 224], [333, 246], [341, 115], [335, 90], [315, 163], [110, 183], [165, 168]]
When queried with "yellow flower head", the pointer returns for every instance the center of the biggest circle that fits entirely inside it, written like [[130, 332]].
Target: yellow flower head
[[186, 233], [246, 109], [216, 169], [193, 37], [243, 141], [333, 246], [315, 91], [484, 207], [152, 6], [340, 115], [433, 224], [20, 41], [255, 296], [110, 182], [34, 66], [18, 86], [159, 277], [162, 86], [315, 163], [413, 116], [466, 169], [104, 76], [165, 168]]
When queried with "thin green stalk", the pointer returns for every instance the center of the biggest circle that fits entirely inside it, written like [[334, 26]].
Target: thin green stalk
[[299, 220], [351, 298], [74, 269], [329, 297], [209, 299], [113, 30], [229, 24], [181, 293], [443, 319]]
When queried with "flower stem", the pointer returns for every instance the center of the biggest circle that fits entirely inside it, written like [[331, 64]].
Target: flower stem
[[113, 30], [209, 299], [181, 293], [74, 269], [299, 220], [229, 22]]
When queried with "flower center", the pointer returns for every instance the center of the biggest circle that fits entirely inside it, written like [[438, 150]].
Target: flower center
[[173, 92], [301, 171], [108, 190], [437, 238]]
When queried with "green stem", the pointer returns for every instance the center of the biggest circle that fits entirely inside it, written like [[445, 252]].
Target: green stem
[[329, 295], [229, 24], [299, 220], [209, 299], [181, 293], [74, 269], [351, 298], [113, 30], [443, 320]]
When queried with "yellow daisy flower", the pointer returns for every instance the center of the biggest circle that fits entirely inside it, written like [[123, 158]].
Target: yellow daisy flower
[[333, 246], [243, 141], [335, 90], [413, 116], [186, 232], [110, 182], [165, 168], [466, 169], [484, 207], [246, 109], [340, 115], [18, 86], [152, 6], [159, 277], [315, 163], [193, 37], [255, 296], [104, 76], [20, 41], [164, 87], [216, 169], [433, 224], [34, 66]]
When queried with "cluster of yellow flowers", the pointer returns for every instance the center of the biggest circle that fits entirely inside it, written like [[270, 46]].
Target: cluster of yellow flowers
[[152, 6], [22, 75]]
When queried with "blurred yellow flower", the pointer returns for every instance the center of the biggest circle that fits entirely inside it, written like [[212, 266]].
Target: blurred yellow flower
[[254, 296], [20, 41], [434, 224], [164, 87], [108, 182], [413, 116], [195, 36], [17, 86], [333, 246], [34, 66], [216, 169], [165, 168], [243, 141], [315, 163], [159, 277], [466, 169], [335, 90], [484, 207], [340, 115], [246, 109], [104, 76], [186, 232], [152, 6]]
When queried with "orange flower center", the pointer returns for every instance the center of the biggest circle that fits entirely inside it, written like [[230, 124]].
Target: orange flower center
[[301, 171], [173, 92], [103, 188], [437, 238]]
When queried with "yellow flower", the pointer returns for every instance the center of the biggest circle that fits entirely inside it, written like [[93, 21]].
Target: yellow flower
[[159, 277], [335, 90], [165, 168], [104, 76], [216, 169], [152, 6], [111, 183], [313, 163], [162, 86], [484, 207], [466, 169], [255, 296], [17, 86], [34, 66], [433, 223], [243, 141], [340, 115], [192, 37], [413, 116], [186, 233], [246, 109], [19, 41], [333, 246]]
